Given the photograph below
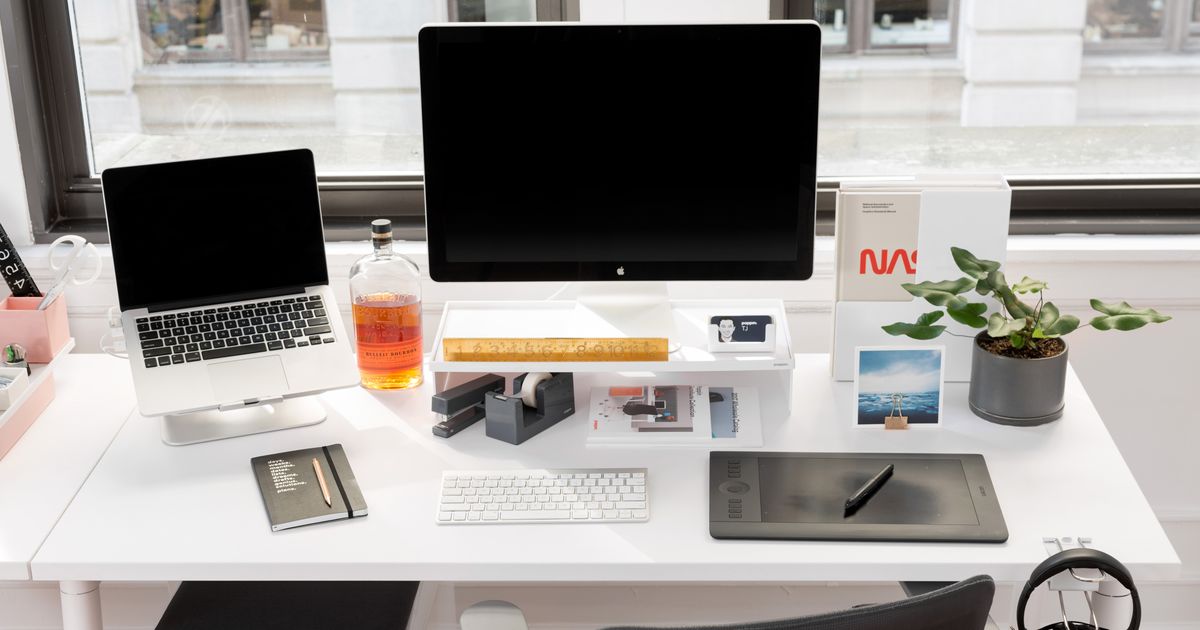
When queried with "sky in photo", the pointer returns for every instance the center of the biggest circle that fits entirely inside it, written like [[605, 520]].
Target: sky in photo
[[899, 371]]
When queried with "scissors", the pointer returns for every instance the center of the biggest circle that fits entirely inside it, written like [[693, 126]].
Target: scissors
[[69, 263]]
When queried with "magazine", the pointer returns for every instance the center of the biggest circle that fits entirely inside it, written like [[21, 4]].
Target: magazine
[[675, 415]]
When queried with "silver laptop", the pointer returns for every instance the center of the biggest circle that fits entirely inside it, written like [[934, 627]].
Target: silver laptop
[[223, 284]]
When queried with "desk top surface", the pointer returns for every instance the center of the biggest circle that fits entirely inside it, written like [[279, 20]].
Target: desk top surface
[[45, 468], [153, 512]]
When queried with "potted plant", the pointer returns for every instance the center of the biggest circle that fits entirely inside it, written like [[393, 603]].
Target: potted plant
[[1019, 360]]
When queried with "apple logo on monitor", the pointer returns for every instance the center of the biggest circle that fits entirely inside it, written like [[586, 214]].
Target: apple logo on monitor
[[621, 271]]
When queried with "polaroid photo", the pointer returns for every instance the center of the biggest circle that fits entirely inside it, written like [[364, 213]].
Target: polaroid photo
[[898, 387], [741, 333]]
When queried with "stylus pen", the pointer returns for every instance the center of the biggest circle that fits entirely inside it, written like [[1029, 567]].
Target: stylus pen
[[869, 489], [321, 481]]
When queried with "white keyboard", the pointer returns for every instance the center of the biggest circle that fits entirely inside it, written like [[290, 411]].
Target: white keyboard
[[561, 495]]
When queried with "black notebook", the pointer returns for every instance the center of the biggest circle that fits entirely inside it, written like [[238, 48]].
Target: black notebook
[[291, 485]]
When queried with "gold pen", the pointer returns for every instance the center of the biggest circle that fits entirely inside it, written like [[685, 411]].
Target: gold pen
[[321, 480]]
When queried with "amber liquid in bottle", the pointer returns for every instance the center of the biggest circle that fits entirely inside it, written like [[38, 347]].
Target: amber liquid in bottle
[[387, 327]]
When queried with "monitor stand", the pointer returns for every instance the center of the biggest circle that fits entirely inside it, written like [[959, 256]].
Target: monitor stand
[[213, 424], [627, 309]]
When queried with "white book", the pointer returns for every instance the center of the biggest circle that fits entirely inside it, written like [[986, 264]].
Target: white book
[[674, 415]]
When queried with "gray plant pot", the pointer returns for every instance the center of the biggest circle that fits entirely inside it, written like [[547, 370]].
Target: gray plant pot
[[1018, 392]]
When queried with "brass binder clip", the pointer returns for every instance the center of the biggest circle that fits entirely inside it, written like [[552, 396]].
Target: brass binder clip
[[896, 420]]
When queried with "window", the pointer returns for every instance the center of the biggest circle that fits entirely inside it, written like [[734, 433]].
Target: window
[[231, 30], [1141, 25], [855, 26], [1092, 141]]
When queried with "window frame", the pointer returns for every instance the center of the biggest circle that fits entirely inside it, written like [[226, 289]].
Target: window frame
[[65, 198]]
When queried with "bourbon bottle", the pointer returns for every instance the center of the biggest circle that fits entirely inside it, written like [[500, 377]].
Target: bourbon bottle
[[385, 294]]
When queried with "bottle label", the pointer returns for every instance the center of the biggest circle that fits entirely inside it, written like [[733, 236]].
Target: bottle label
[[390, 356]]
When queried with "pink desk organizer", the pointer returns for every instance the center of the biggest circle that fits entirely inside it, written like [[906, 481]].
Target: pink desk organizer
[[23, 417], [42, 333]]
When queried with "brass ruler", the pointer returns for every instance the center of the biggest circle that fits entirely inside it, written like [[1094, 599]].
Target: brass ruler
[[555, 349]]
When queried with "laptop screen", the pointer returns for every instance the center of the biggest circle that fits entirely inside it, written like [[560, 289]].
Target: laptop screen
[[205, 231]]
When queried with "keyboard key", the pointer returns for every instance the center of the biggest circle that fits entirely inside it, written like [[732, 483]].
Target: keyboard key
[[536, 515], [314, 298], [176, 359], [164, 360], [142, 320], [221, 353], [289, 343], [191, 356], [206, 345], [302, 344], [275, 345], [318, 321], [177, 349], [152, 343], [220, 343], [276, 302], [193, 347], [271, 336], [143, 327], [317, 330], [297, 333], [320, 312], [151, 363], [244, 340], [149, 334], [196, 338], [261, 329], [326, 339], [209, 311], [155, 352]]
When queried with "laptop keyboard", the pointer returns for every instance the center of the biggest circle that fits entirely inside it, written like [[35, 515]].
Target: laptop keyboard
[[230, 331]]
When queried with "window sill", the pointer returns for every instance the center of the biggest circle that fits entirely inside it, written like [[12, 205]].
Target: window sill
[[223, 74]]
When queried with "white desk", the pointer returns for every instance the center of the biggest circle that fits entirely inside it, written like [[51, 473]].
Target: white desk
[[155, 512], [41, 474]]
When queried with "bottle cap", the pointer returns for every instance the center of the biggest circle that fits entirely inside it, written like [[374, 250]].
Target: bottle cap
[[381, 226]]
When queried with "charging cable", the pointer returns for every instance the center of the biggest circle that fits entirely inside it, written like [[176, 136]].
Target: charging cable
[[113, 341]]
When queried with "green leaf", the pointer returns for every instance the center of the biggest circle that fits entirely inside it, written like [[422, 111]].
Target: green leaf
[[1000, 327], [1004, 293], [1016, 340], [927, 319], [944, 293], [970, 314], [1122, 316], [972, 266], [1029, 285], [923, 329], [1052, 324]]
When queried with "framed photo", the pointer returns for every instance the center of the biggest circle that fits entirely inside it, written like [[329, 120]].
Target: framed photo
[[898, 387]]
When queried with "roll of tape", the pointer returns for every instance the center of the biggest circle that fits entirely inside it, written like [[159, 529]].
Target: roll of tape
[[529, 387]]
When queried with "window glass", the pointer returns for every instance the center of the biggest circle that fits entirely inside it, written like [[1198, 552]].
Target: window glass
[[1124, 19], [911, 23], [287, 25], [834, 19], [909, 86]]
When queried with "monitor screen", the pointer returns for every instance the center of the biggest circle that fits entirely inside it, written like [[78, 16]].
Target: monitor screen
[[635, 152], [201, 231]]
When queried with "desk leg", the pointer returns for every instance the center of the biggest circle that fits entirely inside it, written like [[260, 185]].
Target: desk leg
[[80, 605]]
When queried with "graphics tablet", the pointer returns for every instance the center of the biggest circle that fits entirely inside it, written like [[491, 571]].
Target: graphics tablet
[[802, 496]]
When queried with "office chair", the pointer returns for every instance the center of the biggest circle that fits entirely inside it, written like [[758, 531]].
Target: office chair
[[960, 606], [290, 605]]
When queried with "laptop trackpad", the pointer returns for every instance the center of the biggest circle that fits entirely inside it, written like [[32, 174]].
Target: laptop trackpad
[[248, 378]]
